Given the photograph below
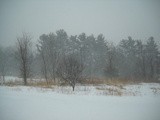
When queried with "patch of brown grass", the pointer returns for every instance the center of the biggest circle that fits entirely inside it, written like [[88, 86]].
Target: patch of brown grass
[[31, 83], [13, 83], [93, 81], [111, 91], [120, 82], [42, 84], [155, 90]]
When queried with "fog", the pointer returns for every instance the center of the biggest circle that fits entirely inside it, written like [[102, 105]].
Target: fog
[[92, 47], [116, 20]]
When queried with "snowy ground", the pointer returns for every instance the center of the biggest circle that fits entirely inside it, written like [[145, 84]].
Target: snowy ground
[[138, 102]]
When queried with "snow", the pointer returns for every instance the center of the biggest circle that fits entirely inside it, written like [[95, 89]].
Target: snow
[[31, 103], [12, 79]]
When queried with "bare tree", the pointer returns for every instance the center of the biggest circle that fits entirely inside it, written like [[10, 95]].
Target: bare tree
[[111, 70], [44, 66], [141, 59], [47, 49], [152, 58], [70, 70], [3, 64], [24, 55]]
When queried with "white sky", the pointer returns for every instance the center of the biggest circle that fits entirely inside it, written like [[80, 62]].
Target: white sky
[[116, 19]]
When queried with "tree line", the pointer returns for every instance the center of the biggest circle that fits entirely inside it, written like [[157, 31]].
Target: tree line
[[76, 57]]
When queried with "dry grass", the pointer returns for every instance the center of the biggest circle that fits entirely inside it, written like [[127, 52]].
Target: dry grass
[[93, 81], [42, 84], [116, 86], [32, 83], [111, 91], [155, 90], [120, 82], [14, 83]]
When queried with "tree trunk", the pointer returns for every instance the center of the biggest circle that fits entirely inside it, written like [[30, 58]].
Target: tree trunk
[[73, 87], [3, 79], [151, 70], [25, 80], [143, 68], [45, 67]]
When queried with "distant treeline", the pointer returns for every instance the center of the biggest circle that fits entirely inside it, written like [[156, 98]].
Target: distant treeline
[[72, 57]]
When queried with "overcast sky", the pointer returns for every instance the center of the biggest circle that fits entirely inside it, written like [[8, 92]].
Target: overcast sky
[[116, 19]]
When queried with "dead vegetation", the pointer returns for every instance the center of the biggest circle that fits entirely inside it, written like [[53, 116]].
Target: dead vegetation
[[115, 87], [111, 91], [155, 90], [13, 83], [106, 81], [118, 82]]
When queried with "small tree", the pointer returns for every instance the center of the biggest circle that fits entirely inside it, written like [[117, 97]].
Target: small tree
[[111, 69], [3, 64], [41, 51], [70, 70], [24, 56], [152, 58]]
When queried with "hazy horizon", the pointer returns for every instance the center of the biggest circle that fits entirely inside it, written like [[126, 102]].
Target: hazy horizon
[[115, 19]]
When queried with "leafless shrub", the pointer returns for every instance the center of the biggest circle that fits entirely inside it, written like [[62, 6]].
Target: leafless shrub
[[24, 56], [70, 70], [155, 90], [111, 91]]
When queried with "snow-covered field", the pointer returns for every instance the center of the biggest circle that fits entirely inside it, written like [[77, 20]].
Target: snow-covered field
[[138, 102]]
